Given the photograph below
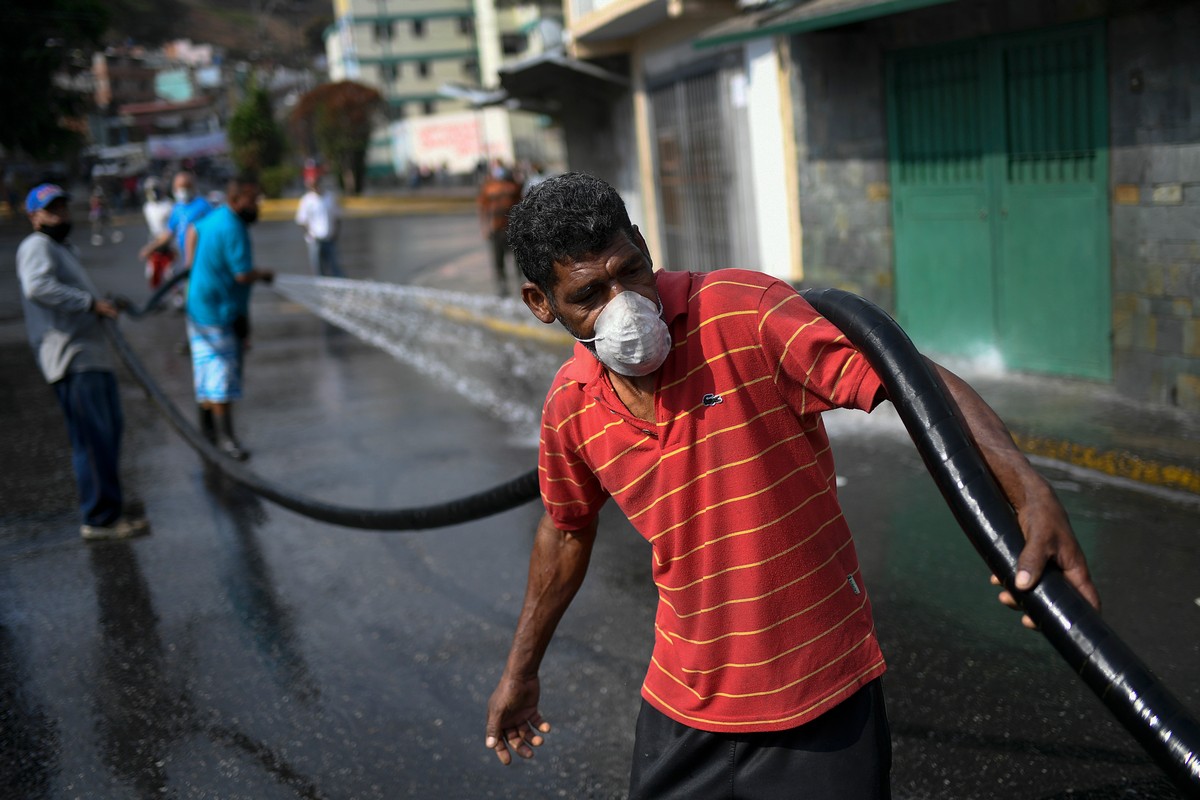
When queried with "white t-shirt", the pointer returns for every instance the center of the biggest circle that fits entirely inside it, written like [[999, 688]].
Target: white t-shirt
[[157, 212], [318, 213]]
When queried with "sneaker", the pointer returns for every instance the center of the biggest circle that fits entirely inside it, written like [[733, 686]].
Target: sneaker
[[123, 528]]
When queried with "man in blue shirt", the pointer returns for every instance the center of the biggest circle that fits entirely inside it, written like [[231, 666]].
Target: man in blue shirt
[[218, 309], [189, 209]]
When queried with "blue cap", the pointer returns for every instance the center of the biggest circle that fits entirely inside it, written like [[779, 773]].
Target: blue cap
[[41, 196]]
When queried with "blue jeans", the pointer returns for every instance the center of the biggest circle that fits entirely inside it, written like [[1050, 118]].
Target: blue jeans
[[322, 257], [92, 407]]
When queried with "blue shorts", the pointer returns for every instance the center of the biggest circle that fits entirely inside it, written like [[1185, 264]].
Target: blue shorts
[[216, 362]]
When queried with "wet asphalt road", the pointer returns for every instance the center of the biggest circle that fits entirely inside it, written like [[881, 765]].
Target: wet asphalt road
[[243, 651]]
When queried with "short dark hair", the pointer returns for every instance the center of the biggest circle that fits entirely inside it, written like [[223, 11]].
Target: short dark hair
[[563, 219], [239, 182]]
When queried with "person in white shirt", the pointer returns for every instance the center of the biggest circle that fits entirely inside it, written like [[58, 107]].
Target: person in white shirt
[[157, 210], [319, 215]]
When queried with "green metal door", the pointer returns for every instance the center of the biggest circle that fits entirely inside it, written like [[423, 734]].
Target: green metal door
[[999, 175], [1055, 307], [940, 196]]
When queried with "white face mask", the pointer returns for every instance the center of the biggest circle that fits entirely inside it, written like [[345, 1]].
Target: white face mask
[[631, 337], [182, 195]]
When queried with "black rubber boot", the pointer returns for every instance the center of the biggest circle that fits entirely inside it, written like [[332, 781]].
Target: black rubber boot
[[226, 442], [207, 426]]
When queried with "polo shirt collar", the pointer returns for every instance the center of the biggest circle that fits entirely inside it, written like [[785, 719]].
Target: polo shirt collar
[[673, 288]]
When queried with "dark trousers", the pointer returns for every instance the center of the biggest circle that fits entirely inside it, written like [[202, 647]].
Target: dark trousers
[[322, 256], [499, 240], [92, 408], [844, 754]]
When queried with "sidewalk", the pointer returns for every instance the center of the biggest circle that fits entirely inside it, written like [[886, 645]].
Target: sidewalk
[[1088, 425], [1081, 423]]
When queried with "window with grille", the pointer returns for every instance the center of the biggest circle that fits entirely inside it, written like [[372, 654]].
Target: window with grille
[[939, 133], [1050, 138]]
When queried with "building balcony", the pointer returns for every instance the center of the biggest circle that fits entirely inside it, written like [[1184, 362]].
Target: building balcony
[[595, 23]]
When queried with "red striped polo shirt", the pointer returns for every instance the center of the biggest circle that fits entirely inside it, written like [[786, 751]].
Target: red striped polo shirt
[[763, 620]]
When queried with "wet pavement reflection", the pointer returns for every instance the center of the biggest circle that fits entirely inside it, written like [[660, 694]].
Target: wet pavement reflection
[[243, 651], [139, 715]]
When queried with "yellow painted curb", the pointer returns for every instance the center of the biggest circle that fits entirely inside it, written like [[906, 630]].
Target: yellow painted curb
[[1111, 462], [284, 208], [549, 335]]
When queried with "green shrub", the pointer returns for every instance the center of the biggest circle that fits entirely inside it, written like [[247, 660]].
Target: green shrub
[[274, 180]]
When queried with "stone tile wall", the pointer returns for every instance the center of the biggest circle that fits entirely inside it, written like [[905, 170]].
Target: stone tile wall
[[1154, 100]]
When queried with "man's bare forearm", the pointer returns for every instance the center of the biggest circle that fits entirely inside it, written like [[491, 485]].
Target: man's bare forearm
[[557, 566], [1043, 520], [1013, 472]]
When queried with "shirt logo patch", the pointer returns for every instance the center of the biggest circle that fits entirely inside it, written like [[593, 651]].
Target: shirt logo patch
[[712, 399]]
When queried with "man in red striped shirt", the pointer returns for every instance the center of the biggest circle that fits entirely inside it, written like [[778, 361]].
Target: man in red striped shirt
[[695, 401]]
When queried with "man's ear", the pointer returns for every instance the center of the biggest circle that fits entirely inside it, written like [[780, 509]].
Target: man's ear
[[537, 302], [640, 243]]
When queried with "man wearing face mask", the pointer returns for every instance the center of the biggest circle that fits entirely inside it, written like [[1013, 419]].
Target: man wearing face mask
[[218, 310], [694, 400], [63, 312], [189, 209]]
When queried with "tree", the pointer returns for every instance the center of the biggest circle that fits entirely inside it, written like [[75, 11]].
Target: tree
[[334, 121], [39, 39], [314, 34], [255, 138]]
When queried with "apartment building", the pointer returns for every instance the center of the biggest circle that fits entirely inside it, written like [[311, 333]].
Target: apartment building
[[412, 50]]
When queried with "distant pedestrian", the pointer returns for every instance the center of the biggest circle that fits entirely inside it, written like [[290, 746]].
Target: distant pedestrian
[[98, 215], [320, 216], [218, 310], [498, 194], [62, 314]]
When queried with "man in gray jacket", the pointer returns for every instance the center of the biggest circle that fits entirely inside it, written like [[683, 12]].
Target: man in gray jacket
[[63, 316]]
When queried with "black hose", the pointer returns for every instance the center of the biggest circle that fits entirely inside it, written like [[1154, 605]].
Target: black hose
[[1157, 720], [499, 498], [137, 312]]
